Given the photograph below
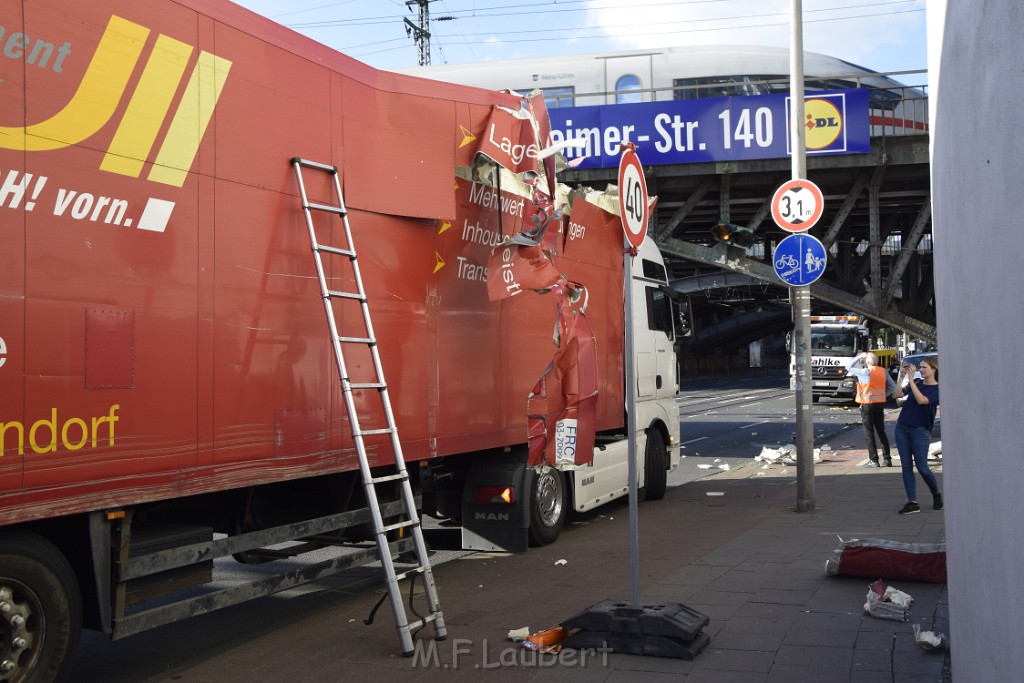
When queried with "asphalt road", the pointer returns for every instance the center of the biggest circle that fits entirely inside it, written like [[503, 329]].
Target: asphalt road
[[729, 421]]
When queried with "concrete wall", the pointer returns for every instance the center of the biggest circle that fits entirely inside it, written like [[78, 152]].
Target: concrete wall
[[976, 71]]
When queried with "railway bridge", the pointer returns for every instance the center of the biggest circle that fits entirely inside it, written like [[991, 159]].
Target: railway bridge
[[876, 226]]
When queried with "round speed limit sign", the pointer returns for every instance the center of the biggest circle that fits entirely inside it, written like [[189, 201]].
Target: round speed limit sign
[[797, 205], [632, 198]]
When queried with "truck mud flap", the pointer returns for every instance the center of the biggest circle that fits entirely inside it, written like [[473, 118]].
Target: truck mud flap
[[495, 507]]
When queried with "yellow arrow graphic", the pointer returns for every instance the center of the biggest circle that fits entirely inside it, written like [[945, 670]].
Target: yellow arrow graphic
[[444, 226], [467, 137], [440, 262]]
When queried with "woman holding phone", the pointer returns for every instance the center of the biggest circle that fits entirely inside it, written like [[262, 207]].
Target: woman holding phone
[[914, 429]]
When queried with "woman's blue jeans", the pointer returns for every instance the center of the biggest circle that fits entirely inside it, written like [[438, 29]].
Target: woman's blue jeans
[[912, 443]]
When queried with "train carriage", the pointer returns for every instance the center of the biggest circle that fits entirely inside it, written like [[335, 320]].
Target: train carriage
[[695, 72]]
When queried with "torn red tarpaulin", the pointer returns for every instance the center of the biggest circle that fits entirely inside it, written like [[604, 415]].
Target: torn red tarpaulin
[[510, 139], [561, 408], [892, 560], [539, 109], [514, 268]]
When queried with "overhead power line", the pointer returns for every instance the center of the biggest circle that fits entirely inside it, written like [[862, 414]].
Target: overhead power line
[[577, 34]]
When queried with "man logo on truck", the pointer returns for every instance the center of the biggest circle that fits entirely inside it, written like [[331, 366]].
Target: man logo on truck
[[100, 92]]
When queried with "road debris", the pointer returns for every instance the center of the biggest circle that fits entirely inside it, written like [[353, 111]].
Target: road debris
[[785, 455], [886, 602], [518, 634], [929, 640], [547, 642], [874, 557]]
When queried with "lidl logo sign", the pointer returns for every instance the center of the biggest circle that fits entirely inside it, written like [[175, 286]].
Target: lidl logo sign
[[100, 92], [823, 123]]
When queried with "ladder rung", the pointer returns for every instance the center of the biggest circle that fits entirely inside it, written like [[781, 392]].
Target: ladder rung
[[356, 340], [336, 250], [418, 569], [325, 207], [424, 621], [346, 295], [399, 525], [314, 164], [365, 385], [373, 432], [390, 477]]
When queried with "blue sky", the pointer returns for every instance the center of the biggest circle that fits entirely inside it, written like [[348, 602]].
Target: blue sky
[[884, 35]]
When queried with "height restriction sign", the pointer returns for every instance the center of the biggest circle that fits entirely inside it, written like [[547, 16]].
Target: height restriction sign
[[797, 205]]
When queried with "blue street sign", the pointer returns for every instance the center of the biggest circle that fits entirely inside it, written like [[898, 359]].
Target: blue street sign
[[800, 259], [739, 128]]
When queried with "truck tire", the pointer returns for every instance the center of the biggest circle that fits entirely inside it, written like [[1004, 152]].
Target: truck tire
[[40, 609], [655, 467], [548, 503]]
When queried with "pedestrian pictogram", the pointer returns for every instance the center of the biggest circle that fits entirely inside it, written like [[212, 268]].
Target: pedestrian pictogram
[[797, 205], [800, 259]]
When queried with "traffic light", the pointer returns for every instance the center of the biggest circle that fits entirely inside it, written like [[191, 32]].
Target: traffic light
[[736, 235]]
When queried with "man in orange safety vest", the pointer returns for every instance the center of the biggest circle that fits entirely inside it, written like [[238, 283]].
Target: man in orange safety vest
[[874, 385]]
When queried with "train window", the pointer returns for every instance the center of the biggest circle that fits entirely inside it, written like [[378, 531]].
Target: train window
[[554, 98], [721, 86], [627, 89], [731, 86], [883, 99]]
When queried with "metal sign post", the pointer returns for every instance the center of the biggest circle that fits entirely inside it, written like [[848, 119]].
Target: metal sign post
[[664, 629], [801, 295], [633, 211]]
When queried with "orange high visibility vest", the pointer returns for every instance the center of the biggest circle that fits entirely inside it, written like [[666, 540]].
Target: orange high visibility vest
[[874, 390]]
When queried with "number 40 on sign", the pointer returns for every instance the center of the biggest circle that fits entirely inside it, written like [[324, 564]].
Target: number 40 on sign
[[632, 198]]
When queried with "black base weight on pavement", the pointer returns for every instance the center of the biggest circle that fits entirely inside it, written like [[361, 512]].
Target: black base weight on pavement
[[659, 630]]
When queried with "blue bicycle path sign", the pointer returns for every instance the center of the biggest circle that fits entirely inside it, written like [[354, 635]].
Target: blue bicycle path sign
[[800, 259]]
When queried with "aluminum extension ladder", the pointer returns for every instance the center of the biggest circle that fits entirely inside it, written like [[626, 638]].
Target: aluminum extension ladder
[[410, 519]]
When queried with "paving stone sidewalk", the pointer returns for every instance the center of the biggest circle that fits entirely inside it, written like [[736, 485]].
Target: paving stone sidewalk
[[744, 558]]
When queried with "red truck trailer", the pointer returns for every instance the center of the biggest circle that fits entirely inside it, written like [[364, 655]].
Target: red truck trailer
[[168, 394]]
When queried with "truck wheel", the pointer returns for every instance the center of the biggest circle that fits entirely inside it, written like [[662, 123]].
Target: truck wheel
[[655, 467], [547, 506], [40, 609]]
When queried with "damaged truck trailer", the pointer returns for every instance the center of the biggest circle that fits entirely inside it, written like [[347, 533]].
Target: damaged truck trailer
[[168, 392]]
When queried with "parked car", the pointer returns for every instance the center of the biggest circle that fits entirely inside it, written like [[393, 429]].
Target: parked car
[[915, 359]]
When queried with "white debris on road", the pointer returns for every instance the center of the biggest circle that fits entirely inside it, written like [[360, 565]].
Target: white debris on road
[[929, 640], [785, 455]]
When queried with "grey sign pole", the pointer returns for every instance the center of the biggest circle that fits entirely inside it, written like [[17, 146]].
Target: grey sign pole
[[634, 537], [801, 295]]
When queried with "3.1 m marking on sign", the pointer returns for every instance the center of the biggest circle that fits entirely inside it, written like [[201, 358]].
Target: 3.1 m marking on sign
[[797, 205], [794, 214]]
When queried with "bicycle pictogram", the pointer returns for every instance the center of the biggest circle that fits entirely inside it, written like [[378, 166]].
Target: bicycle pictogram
[[786, 261]]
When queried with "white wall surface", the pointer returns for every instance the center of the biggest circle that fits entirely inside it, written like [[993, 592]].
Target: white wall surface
[[976, 73]]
